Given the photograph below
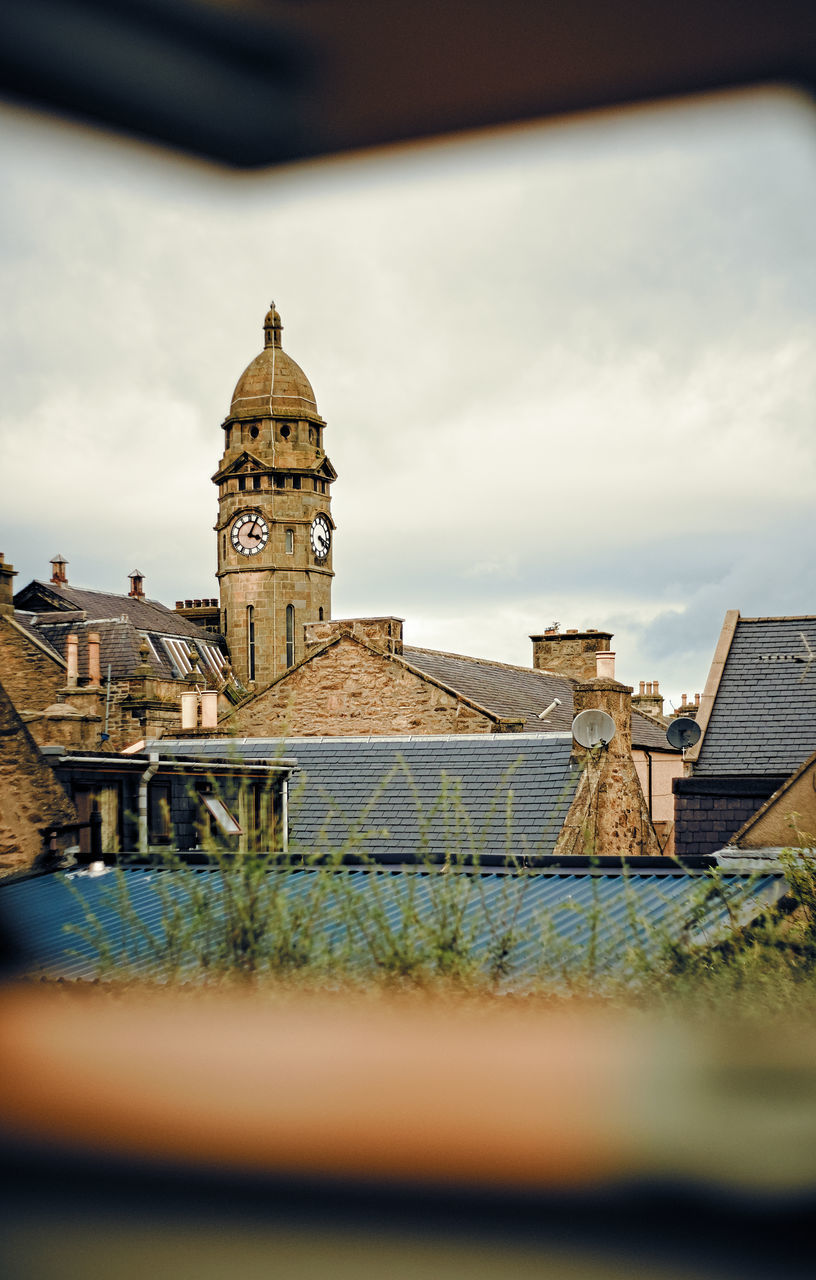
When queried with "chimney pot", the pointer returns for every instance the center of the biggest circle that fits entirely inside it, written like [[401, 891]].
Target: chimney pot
[[656, 687], [59, 577], [71, 646], [642, 687], [605, 665], [682, 700], [93, 658], [696, 699]]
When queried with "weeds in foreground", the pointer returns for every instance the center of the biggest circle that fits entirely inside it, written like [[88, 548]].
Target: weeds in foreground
[[338, 918]]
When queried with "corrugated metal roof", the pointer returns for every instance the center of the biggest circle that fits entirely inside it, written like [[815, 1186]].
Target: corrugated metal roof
[[549, 920]]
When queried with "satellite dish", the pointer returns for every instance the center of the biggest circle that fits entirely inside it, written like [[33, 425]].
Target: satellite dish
[[683, 732], [590, 728]]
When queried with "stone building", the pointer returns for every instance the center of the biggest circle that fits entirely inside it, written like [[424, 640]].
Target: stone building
[[358, 678], [274, 528], [92, 669]]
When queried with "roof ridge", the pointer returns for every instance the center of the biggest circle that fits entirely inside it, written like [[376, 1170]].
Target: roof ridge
[[784, 617], [490, 662]]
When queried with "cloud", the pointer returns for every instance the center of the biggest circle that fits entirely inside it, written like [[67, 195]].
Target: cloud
[[566, 372]]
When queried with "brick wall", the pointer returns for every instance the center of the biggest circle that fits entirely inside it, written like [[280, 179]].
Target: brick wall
[[708, 811], [347, 689]]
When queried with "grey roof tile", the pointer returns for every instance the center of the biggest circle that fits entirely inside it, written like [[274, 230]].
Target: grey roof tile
[[764, 716], [337, 780], [518, 693]]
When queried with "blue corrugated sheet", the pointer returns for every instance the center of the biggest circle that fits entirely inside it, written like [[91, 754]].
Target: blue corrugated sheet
[[545, 920]]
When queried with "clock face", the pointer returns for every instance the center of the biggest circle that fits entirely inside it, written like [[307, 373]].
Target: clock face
[[321, 537], [250, 533]]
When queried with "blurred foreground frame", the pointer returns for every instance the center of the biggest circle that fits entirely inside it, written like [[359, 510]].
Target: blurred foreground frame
[[160, 1134], [252, 83]]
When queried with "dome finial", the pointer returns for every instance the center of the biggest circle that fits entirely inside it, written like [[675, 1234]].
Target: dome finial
[[272, 327]]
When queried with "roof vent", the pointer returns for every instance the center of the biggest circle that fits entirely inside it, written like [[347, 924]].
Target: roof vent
[[136, 585]]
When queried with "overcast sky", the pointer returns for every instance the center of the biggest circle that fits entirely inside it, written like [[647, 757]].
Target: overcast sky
[[569, 373]]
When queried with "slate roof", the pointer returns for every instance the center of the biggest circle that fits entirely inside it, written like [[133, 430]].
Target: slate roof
[[504, 791], [763, 720], [52, 613], [519, 693], [548, 917], [145, 615]]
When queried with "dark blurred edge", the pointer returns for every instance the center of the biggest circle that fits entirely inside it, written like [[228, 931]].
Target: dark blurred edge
[[665, 1223], [251, 84]]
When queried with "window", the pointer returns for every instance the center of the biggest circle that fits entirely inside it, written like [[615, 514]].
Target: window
[[253, 431], [251, 641], [295, 482], [320, 615], [285, 431], [290, 635], [241, 484], [223, 544], [290, 541], [220, 815], [256, 482], [280, 482]]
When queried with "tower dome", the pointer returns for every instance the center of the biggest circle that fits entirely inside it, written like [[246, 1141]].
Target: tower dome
[[273, 383]]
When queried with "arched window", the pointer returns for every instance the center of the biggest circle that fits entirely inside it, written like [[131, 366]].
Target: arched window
[[290, 635], [290, 541], [251, 641], [320, 615]]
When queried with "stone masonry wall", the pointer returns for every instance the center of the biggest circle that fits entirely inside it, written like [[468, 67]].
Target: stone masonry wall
[[608, 816], [570, 653], [30, 677], [30, 796], [377, 633], [347, 689]]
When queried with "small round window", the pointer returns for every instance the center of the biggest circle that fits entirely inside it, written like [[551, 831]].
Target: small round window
[[285, 432], [253, 431]]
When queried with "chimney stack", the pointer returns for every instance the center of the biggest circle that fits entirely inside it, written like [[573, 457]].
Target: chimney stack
[[569, 653], [136, 579], [608, 815], [59, 577], [650, 700], [7, 572]]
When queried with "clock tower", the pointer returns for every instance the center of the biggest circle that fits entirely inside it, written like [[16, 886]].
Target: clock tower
[[275, 531]]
